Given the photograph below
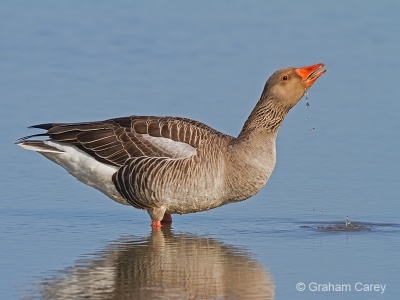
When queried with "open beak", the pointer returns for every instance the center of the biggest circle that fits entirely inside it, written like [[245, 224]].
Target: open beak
[[310, 74]]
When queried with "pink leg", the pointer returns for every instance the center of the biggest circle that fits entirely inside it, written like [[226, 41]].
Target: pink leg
[[167, 218], [156, 215], [156, 225]]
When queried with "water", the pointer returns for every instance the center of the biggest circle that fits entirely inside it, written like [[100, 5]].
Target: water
[[73, 61], [158, 266]]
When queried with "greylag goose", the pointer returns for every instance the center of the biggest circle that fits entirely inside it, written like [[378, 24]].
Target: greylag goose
[[172, 165]]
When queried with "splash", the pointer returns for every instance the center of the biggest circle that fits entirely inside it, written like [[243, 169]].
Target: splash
[[346, 226]]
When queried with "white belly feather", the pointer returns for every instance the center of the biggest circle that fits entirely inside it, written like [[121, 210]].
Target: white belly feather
[[82, 166]]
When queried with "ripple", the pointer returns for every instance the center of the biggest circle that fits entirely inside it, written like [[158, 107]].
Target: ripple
[[347, 226], [340, 227]]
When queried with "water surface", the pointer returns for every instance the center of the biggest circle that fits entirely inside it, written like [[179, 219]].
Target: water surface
[[162, 265], [73, 61]]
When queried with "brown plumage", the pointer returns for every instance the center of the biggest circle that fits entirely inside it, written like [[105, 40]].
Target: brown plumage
[[175, 165]]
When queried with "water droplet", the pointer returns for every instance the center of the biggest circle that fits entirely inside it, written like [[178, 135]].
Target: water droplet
[[307, 107], [347, 221]]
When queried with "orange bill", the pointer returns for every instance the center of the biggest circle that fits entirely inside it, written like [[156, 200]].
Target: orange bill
[[310, 74]]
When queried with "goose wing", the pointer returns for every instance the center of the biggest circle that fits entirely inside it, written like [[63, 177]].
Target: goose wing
[[115, 141]]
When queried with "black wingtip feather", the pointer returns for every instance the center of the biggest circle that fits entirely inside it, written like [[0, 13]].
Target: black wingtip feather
[[30, 136], [45, 126]]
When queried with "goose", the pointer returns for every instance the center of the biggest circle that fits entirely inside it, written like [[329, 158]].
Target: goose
[[174, 165]]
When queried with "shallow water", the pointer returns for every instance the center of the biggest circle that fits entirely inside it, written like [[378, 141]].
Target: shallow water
[[163, 265], [337, 156]]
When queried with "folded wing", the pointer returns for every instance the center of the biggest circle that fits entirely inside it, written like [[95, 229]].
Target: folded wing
[[114, 141]]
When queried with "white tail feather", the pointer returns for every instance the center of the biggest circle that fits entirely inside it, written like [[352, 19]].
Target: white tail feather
[[39, 146]]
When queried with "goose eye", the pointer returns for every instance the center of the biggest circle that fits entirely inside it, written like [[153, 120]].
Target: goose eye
[[285, 77]]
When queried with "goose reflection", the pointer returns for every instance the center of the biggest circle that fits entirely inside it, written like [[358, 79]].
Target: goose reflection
[[163, 265]]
